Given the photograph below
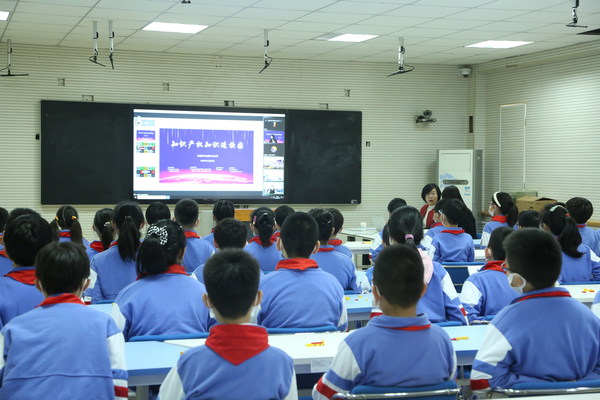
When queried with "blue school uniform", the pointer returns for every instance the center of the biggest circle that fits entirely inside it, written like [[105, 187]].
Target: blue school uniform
[[267, 257], [167, 303], [299, 294], [197, 251], [441, 302], [5, 263], [109, 273], [236, 362], [390, 351], [430, 234], [583, 269], [18, 293], [95, 247], [377, 247], [337, 265], [486, 292], [590, 238], [452, 244], [496, 222], [544, 335], [338, 246], [64, 235], [61, 350], [210, 238]]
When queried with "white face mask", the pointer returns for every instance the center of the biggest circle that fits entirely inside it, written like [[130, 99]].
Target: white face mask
[[254, 314], [511, 276], [490, 211]]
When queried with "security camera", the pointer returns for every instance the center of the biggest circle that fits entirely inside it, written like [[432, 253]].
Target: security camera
[[465, 72], [427, 113]]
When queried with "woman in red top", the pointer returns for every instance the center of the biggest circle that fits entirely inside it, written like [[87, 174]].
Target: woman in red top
[[430, 194]]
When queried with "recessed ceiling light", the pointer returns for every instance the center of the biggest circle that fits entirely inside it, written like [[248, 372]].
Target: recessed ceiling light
[[498, 44], [176, 28], [350, 37], [4, 15]]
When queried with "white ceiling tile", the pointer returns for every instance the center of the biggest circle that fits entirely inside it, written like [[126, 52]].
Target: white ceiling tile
[[262, 23], [444, 23], [521, 5], [360, 7], [426, 11], [444, 3], [199, 10], [485, 14], [50, 9], [306, 5], [340, 18], [509, 26], [426, 33], [135, 5], [371, 29], [189, 19], [397, 21], [312, 27], [107, 13], [39, 29], [48, 19], [541, 17], [271, 13]]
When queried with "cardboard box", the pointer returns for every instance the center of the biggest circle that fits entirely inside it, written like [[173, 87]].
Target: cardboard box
[[533, 203]]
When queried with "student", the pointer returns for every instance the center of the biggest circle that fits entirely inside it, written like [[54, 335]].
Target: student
[[503, 211], [544, 334], [262, 245], [487, 291], [579, 263], [452, 244], [23, 239], [437, 226], [164, 300], [331, 261], [157, 211], [430, 194], [377, 246], [66, 223], [467, 222], [114, 268], [399, 348], [236, 351], [197, 250], [281, 213], [228, 234], [3, 219], [528, 219], [338, 224], [440, 302], [221, 210], [62, 349], [103, 228], [6, 263], [299, 294], [581, 211]]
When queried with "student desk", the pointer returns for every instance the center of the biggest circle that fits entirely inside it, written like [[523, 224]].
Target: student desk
[[584, 293], [359, 306]]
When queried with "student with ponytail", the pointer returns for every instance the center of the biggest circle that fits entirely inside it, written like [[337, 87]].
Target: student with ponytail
[[66, 223], [103, 227], [262, 245], [579, 263], [114, 268], [197, 250], [329, 260], [503, 211], [164, 299]]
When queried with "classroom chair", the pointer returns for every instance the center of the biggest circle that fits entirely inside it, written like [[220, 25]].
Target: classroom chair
[[104, 302], [459, 272], [547, 389], [448, 390], [448, 323], [316, 329], [162, 338]]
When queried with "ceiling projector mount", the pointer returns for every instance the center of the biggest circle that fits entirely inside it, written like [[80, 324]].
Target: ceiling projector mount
[[7, 68], [575, 19], [402, 67]]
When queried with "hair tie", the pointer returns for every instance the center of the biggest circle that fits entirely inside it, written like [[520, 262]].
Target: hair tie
[[73, 217], [160, 232], [127, 217], [254, 220], [56, 218], [408, 236], [567, 214], [107, 224], [553, 208]]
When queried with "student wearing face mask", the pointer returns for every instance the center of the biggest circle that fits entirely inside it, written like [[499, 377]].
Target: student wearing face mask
[[503, 211]]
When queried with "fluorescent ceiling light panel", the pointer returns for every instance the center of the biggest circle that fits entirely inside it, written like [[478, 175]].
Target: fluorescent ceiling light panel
[[176, 28], [498, 44], [4, 15], [350, 37]]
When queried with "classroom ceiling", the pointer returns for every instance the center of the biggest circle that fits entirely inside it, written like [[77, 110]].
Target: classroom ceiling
[[434, 31]]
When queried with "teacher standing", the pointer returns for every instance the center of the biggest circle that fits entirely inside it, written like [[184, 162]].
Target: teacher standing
[[430, 194]]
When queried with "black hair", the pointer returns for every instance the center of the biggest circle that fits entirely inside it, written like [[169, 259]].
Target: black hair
[[231, 278], [281, 213], [155, 258], [580, 209], [25, 236], [263, 219], [385, 235], [453, 209], [535, 255], [17, 212], [128, 219], [68, 218], [157, 211], [223, 209], [496, 242], [299, 234], [186, 212], [405, 221], [230, 233], [103, 226], [507, 207], [338, 220], [62, 268], [428, 188], [398, 275], [325, 222], [452, 192], [529, 219], [562, 225], [3, 218], [394, 203]]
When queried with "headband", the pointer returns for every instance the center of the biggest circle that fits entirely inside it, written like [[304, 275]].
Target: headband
[[496, 199], [553, 208], [160, 232]]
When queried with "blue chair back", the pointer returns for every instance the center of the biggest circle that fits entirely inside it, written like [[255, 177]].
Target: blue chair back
[[104, 302], [326, 328], [447, 390], [162, 338], [459, 272], [549, 388], [448, 323]]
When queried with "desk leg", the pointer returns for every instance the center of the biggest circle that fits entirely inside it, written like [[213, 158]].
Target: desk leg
[[142, 392]]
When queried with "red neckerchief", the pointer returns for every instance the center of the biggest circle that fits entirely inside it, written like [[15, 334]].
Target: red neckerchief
[[437, 224], [26, 276], [556, 293], [172, 269], [410, 328], [237, 343], [325, 249], [64, 234], [277, 234], [97, 245], [61, 298], [499, 218], [191, 234], [300, 264], [494, 266], [3, 253], [581, 225], [115, 243], [335, 242], [453, 231], [256, 239], [212, 230]]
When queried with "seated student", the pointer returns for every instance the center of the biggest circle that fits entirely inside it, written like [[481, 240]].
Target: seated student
[[197, 250], [440, 302], [157, 211], [299, 294], [338, 224], [452, 244], [62, 349], [281, 213], [66, 223], [331, 261], [377, 246], [436, 227], [528, 219], [544, 334], [581, 211], [399, 348], [579, 263], [6, 263], [164, 300], [467, 222], [503, 211], [236, 350], [103, 228], [114, 268], [262, 245], [221, 210], [23, 239], [487, 291]]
